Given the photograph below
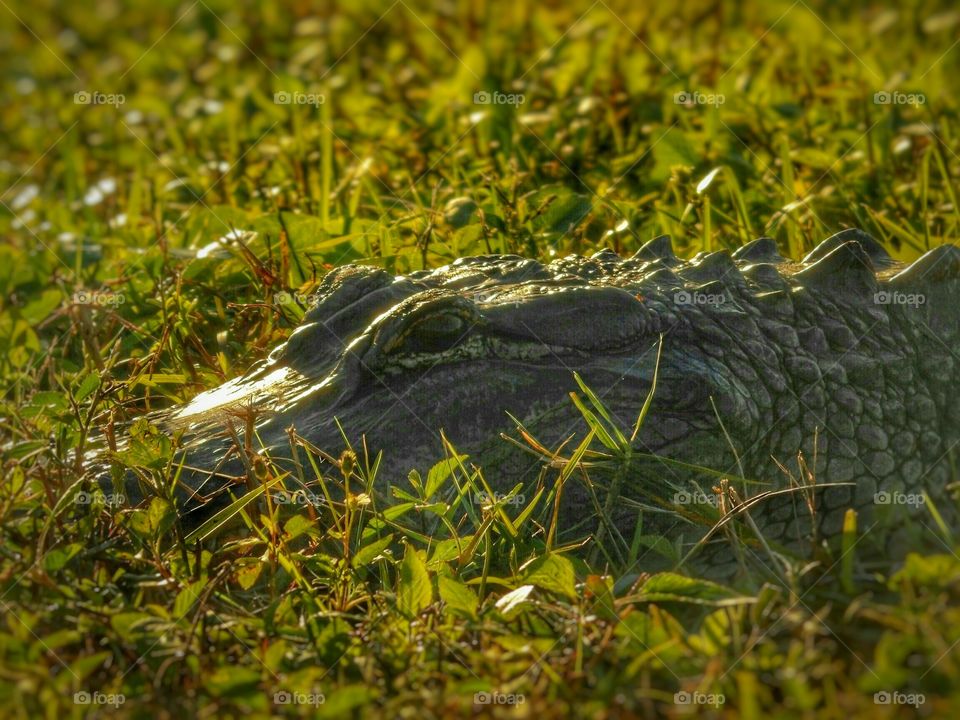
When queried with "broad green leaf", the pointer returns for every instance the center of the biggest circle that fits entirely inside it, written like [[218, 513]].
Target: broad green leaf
[[439, 474], [672, 586], [248, 574], [553, 573], [414, 591], [460, 598], [161, 515], [671, 148], [130, 624], [369, 552], [83, 666], [86, 386], [57, 558], [297, 526], [343, 700], [187, 597], [39, 309]]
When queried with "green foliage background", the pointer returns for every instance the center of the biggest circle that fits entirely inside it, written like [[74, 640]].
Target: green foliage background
[[155, 247]]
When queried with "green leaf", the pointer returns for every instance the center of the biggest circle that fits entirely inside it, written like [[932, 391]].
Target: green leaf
[[89, 383], [553, 573], [671, 149], [234, 681], [161, 515], [130, 624], [669, 586], [247, 575], [460, 598], [297, 526], [369, 552], [934, 571], [439, 474], [186, 598], [414, 592], [66, 499], [224, 516], [344, 699], [567, 212], [58, 558], [38, 310], [83, 666]]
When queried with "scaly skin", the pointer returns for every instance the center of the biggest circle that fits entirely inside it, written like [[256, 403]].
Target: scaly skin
[[793, 357]]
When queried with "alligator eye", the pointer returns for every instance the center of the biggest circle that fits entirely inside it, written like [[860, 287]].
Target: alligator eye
[[435, 333]]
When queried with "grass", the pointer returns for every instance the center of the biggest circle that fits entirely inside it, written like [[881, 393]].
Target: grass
[[154, 248]]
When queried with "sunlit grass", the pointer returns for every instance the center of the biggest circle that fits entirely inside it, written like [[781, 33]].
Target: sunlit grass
[[156, 247]]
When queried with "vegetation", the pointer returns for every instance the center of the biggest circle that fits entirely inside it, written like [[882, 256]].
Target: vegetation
[[176, 178]]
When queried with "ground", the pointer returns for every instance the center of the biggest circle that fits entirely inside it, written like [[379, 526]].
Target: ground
[[176, 177]]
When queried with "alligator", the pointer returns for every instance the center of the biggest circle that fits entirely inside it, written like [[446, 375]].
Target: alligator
[[837, 369]]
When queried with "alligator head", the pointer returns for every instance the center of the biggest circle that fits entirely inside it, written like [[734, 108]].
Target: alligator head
[[845, 356]]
